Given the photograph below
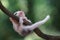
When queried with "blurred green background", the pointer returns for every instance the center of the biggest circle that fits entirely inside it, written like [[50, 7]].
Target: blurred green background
[[35, 10]]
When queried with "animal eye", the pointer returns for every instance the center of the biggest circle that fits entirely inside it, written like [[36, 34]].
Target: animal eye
[[15, 13]]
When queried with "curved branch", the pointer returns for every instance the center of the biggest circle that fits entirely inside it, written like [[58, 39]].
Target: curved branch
[[37, 31], [7, 12], [10, 14]]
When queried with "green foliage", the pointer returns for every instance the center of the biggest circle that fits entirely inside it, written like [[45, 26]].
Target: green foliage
[[36, 10]]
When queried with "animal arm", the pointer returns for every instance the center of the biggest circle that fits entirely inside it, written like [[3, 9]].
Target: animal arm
[[35, 25], [21, 20]]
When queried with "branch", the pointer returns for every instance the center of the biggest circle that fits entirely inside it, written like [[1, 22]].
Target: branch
[[10, 14], [37, 31]]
